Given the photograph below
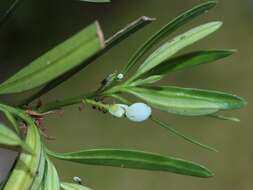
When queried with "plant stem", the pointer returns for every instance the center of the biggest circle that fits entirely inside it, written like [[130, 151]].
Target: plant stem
[[58, 104]]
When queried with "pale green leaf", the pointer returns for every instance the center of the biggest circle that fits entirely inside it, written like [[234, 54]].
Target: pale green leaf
[[186, 101], [10, 138], [134, 159], [168, 29], [176, 44], [51, 180], [13, 121], [40, 173], [24, 172], [71, 186]]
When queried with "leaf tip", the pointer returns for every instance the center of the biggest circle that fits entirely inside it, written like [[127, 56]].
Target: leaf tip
[[100, 34]]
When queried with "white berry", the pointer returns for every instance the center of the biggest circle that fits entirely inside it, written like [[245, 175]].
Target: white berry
[[138, 112]]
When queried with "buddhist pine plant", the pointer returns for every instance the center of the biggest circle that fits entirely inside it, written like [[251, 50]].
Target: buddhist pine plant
[[34, 169]]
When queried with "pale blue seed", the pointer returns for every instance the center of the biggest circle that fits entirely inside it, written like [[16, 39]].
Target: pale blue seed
[[138, 112]]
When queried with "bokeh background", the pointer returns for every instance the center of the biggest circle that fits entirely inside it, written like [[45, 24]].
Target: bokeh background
[[37, 26]]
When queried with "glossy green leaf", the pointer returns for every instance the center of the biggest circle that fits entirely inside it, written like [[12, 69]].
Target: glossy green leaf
[[170, 48], [134, 159], [177, 133], [168, 29], [51, 180], [24, 172], [186, 101], [10, 138], [188, 60], [57, 61], [72, 186]]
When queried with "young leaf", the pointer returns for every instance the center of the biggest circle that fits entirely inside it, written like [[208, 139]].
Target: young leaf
[[188, 60], [186, 101], [51, 180], [175, 132], [71, 186], [25, 169], [148, 80], [170, 48], [134, 159], [57, 61], [8, 137], [168, 29]]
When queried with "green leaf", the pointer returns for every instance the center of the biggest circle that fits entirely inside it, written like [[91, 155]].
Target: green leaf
[[170, 48], [8, 137], [24, 172], [186, 101], [134, 159], [128, 30], [97, 1], [38, 179], [109, 43], [71, 186], [57, 61], [13, 121], [148, 80], [51, 180], [188, 60], [177, 133], [226, 118], [168, 29]]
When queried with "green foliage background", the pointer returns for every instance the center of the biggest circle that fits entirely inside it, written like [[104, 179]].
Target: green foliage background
[[39, 25]]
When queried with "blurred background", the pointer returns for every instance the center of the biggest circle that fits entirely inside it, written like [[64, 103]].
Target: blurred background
[[37, 26]]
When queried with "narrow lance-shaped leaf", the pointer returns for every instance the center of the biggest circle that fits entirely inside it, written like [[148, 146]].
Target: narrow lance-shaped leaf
[[13, 121], [71, 186], [51, 180], [128, 30], [186, 101], [172, 47], [9, 138], [109, 43], [38, 179], [136, 160], [188, 60], [175, 132], [25, 169], [57, 61], [168, 29]]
